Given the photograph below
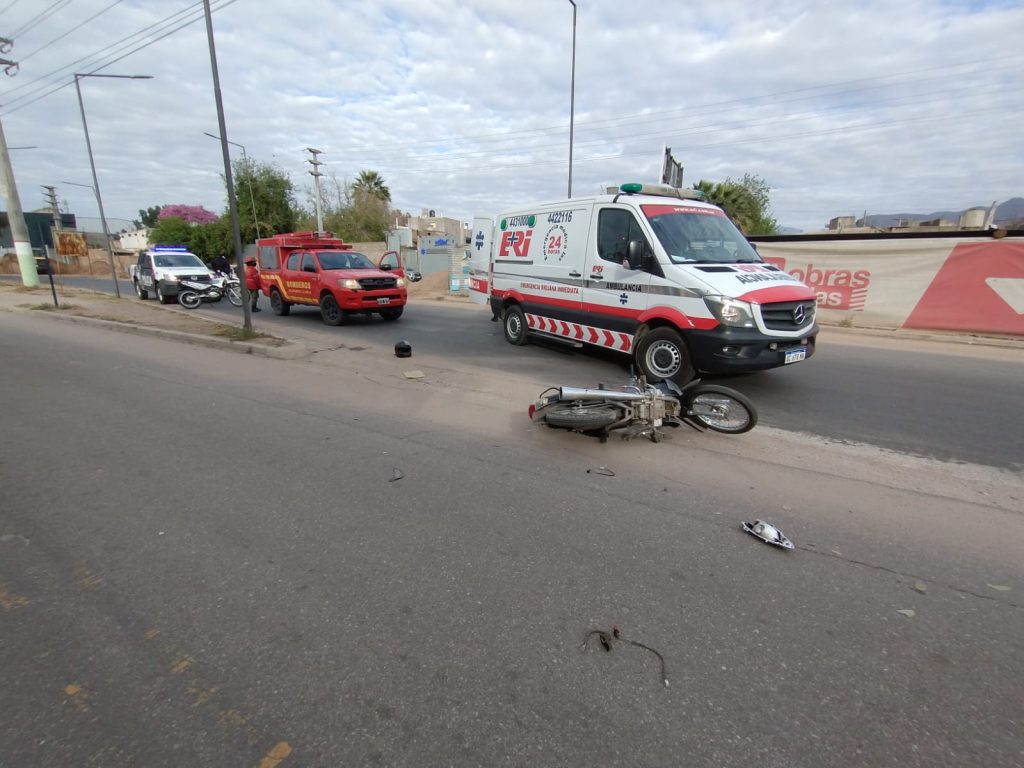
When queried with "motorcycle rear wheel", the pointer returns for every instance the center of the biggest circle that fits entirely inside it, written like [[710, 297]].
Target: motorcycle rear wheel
[[720, 409], [234, 294], [580, 417], [189, 299]]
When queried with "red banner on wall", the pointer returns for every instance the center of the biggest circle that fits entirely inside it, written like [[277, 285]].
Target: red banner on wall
[[980, 288]]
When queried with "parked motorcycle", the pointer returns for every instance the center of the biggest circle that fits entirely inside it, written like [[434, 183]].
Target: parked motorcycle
[[641, 409], [232, 287], [191, 294]]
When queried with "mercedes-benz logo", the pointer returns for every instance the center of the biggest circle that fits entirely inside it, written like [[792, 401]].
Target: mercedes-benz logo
[[799, 315]]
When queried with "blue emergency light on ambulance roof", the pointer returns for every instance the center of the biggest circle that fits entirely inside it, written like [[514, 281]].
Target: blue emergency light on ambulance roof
[[170, 249]]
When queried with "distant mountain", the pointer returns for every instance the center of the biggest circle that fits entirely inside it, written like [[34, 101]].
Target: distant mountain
[[1007, 212]]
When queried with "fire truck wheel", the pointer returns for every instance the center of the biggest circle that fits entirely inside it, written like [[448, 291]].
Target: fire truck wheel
[[662, 354], [279, 305], [392, 314], [515, 326], [330, 311]]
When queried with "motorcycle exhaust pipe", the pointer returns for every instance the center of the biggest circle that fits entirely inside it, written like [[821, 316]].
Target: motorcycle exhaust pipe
[[585, 393]]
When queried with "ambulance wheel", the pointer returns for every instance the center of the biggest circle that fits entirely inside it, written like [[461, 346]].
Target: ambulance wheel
[[279, 305], [514, 324], [141, 292], [330, 311], [581, 418], [661, 354]]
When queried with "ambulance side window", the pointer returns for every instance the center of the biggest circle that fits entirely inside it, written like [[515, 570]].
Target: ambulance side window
[[615, 228], [293, 260]]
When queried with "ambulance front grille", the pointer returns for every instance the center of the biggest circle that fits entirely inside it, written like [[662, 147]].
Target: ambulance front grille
[[784, 315]]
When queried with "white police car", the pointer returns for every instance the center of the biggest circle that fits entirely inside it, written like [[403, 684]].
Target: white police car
[[160, 269]]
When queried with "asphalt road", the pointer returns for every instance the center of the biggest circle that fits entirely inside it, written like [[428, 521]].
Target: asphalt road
[[205, 560], [930, 401]]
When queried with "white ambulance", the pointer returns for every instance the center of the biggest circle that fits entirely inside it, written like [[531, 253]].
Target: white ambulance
[[647, 270]]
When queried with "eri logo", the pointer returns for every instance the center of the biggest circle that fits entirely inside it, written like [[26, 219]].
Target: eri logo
[[516, 240], [555, 243]]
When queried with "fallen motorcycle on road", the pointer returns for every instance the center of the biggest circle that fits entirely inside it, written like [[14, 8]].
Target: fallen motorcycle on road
[[642, 409]]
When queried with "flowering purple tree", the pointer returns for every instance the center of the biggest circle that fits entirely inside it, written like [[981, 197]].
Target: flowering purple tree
[[193, 214]]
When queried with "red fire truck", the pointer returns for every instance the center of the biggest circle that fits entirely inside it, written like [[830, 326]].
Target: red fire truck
[[320, 270]]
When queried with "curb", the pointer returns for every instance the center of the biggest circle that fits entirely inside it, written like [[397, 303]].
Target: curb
[[968, 339], [291, 350]]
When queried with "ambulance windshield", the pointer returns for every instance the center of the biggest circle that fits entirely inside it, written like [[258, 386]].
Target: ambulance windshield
[[343, 260], [692, 235]]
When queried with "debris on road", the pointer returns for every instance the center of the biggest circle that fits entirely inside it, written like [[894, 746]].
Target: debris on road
[[998, 587], [414, 374], [767, 533], [606, 638], [921, 587], [602, 471], [908, 612], [396, 474]]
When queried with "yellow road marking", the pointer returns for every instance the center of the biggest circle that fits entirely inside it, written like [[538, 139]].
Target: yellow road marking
[[181, 665], [9, 600], [280, 751]]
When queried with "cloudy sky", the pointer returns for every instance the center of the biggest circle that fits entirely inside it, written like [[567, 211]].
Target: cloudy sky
[[464, 107]]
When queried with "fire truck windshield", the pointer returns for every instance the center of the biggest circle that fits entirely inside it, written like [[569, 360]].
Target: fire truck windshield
[[343, 260]]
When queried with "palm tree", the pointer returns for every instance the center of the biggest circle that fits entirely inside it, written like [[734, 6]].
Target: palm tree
[[372, 183]]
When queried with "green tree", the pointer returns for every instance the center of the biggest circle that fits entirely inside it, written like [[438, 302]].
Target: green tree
[[171, 231], [273, 194], [746, 201], [147, 218], [372, 183], [213, 239]]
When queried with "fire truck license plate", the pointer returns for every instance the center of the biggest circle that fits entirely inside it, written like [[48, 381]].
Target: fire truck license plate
[[795, 355], [388, 301]]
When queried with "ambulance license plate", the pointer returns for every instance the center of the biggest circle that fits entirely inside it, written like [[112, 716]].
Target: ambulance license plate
[[386, 300], [795, 355]]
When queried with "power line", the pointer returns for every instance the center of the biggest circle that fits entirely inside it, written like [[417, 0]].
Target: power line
[[39, 18], [97, 66], [75, 28], [9, 6]]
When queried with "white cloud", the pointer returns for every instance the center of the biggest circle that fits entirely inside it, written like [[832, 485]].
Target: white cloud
[[464, 106]]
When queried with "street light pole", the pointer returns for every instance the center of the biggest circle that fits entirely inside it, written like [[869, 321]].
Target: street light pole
[[92, 165], [572, 92], [248, 178]]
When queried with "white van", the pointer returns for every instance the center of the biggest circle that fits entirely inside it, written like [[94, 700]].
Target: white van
[[646, 270]]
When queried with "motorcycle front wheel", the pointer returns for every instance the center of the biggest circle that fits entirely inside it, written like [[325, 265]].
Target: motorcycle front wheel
[[720, 409], [189, 299], [235, 295], [580, 417]]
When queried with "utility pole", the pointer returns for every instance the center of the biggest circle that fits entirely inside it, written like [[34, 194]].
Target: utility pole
[[15, 216], [51, 196], [232, 206], [315, 173]]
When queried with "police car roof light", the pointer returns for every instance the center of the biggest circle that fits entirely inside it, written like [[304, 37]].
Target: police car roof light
[[169, 249]]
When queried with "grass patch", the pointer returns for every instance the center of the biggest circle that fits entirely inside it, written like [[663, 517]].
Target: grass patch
[[238, 334], [48, 306]]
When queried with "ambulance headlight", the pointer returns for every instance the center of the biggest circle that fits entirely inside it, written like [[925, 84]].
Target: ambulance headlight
[[349, 284], [732, 312]]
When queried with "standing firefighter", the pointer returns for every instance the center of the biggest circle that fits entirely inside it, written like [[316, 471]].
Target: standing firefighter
[[252, 282]]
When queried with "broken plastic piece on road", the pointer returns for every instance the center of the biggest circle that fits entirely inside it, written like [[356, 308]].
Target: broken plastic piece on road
[[767, 533], [414, 374], [396, 474], [602, 471], [908, 612]]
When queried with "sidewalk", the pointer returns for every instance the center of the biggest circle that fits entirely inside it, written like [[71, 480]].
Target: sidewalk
[[129, 315]]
